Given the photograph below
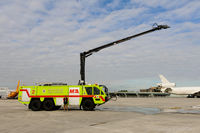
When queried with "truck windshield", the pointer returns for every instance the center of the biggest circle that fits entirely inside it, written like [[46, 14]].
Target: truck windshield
[[104, 88]]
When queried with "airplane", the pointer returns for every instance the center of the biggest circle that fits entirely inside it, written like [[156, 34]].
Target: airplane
[[171, 88]]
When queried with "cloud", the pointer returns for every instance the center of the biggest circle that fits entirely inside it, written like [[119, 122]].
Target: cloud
[[42, 40], [166, 4], [187, 12]]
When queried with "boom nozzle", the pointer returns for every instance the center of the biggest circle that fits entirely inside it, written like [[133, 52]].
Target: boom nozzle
[[159, 27], [163, 26]]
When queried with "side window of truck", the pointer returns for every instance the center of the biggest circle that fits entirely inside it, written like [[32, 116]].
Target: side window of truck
[[96, 91], [89, 90]]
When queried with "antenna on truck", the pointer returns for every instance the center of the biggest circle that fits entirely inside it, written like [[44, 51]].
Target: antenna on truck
[[85, 54]]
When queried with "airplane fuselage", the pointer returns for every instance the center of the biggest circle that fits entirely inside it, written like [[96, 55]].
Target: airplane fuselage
[[184, 90]]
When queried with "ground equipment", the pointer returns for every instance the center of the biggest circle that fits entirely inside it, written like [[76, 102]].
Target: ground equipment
[[4, 91], [13, 94], [50, 96]]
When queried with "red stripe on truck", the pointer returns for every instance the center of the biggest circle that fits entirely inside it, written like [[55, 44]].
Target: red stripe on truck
[[102, 98], [59, 95]]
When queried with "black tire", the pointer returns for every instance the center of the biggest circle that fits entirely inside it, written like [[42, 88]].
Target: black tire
[[35, 105], [57, 107], [48, 104], [88, 105]]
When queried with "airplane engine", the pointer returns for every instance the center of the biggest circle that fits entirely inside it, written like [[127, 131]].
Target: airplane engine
[[168, 90], [166, 85]]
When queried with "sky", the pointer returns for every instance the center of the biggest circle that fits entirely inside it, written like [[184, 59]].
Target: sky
[[41, 41]]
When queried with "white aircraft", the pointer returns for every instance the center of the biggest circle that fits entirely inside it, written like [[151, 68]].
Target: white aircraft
[[168, 87]]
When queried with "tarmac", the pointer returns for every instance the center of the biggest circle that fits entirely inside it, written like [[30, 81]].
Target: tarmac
[[128, 115]]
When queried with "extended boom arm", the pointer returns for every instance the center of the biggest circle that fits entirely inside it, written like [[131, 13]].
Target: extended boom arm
[[85, 54]]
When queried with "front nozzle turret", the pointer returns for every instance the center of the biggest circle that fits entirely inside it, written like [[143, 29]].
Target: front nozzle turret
[[159, 27]]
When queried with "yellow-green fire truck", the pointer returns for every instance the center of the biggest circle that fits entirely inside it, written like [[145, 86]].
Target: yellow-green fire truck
[[50, 96]]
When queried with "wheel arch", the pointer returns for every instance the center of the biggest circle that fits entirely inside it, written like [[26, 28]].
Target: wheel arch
[[85, 98]]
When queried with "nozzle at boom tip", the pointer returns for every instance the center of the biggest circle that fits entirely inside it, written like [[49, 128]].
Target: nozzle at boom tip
[[159, 27], [163, 26]]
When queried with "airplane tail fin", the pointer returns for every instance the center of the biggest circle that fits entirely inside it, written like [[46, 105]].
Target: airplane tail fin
[[165, 83], [163, 79]]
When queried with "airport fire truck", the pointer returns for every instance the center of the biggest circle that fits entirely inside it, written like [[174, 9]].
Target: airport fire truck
[[49, 96]]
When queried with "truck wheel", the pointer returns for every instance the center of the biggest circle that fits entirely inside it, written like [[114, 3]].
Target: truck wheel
[[190, 96], [35, 105], [88, 105], [48, 105]]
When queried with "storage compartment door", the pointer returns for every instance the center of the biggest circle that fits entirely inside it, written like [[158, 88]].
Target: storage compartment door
[[25, 97], [74, 95]]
